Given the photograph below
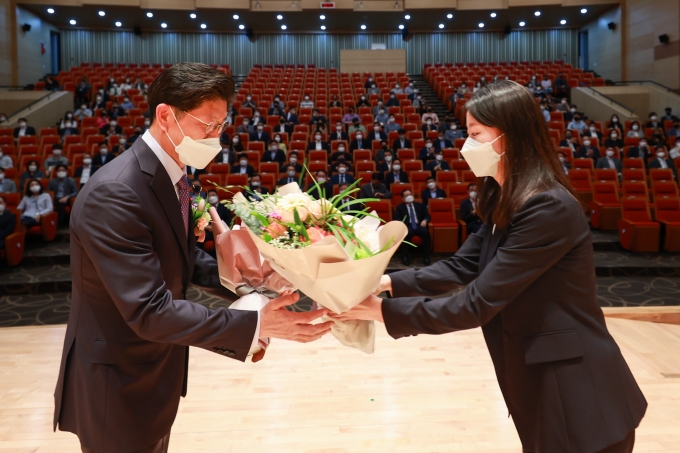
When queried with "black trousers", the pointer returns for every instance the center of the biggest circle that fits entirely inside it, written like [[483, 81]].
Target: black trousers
[[62, 216], [423, 233], [625, 446], [159, 447]]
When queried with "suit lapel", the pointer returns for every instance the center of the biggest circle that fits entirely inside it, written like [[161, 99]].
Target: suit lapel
[[492, 241], [164, 190]]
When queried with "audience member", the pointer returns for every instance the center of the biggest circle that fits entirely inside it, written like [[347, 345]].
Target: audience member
[[438, 163], [431, 191], [236, 144], [641, 151], [452, 133], [669, 115], [654, 121], [7, 185], [362, 102], [635, 131], [392, 101], [381, 116], [350, 117], [290, 172], [306, 103], [588, 150], [293, 160], [34, 204], [5, 160], [468, 210], [32, 172], [274, 154], [342, 177], [416, 218], [386, 164], [322, 183], [614, 140], [104, 156], [339, 133], [392, 124], [7, 222], [255, 188], [260, 135], [578, 124], [674, 153], [396, 174], [243, 167], [427, 152], [318, 144], [376, 133], [442, 142], [56, 158], [64, 188], [662, 161], [564, 163], [402, 142], [609, 161], [86, 170], [226, 155], [23, 130], [245, 127], [375, 188], [356, 127], [68, 125]]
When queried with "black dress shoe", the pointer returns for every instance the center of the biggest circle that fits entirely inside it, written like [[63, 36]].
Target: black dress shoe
[[426, 261], [405, 260]]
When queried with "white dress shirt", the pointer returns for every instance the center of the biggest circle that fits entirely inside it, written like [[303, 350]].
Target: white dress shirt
[[85, 174], [176, 172]]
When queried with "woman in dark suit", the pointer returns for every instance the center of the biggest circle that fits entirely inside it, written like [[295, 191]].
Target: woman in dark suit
[[530, 282]]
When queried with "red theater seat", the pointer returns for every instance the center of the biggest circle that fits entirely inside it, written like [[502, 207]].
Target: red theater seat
[[444, 229], [605, 209], [637, 231], [668, 215]]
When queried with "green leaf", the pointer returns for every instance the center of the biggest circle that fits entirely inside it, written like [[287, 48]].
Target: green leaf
[[263, 220], [302, 230], [267, 237]]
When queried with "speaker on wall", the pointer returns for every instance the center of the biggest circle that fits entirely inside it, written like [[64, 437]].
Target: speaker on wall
[[405, 34], [611, 26], [507, 29], [137, 30], [249, 33], [664, 39], [26, 27]]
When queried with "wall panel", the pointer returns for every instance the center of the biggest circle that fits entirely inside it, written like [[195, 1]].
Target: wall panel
[[321, 49]]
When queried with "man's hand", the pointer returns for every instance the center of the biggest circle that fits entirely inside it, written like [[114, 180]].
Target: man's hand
[[368, 310], [277, 322], [379, 195], [423, 223], [63, 199], [384, 285]]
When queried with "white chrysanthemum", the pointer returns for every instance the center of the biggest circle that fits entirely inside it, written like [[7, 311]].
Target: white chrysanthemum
[[286, 204]]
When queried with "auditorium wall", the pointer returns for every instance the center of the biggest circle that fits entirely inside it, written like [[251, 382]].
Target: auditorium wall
[[604, 45], [7, 48], [321, 49], [32, 64]]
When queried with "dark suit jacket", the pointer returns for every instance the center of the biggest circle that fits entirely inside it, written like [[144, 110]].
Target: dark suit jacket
[[232, 158], [265, 138], [126, 351], [637, 152], [338, 136], [70, 187], [368, 192], [437, 144], [298, 167], [97, 159], [388, 178], [293, 118], [381, 136], [420, 209], [432, 164], [30, 130], [286, 180], [280, 157], [581, 153], [532, 289], [236, 169], [335, 179], [365, 144], [603, 163], [466, 214], [8, 222], [327, 187], [426, 195], [79, 171], [324, 146], [656, 164], [397, 144]]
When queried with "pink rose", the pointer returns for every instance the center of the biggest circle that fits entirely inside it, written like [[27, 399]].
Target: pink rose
[[202, 223], [315, 234], [276, 230]]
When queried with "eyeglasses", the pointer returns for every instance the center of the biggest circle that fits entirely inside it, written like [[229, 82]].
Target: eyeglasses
[[212, 126]]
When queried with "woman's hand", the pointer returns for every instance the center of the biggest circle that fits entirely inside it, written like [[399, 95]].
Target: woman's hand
[[368, 310], [384, 285]]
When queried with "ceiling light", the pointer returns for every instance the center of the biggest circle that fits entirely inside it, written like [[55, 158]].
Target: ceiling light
[[283, 27], [401, 26], [563, 22], [584, 10], [441, 25], [192, 15], [481, 25], [119, 24], [322, 17], [363, 27], [537, 13], [72, 22], [235, 16], [164, 25], [407, 17], [149, 14], [241, 27], [522, 24], [50, 11], [449, 16], [323, 27], [279, 17], [204, 26], [493, 14], [102, 13]]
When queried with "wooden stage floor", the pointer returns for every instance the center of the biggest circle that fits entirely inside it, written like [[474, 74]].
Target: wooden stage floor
[[417, 395]]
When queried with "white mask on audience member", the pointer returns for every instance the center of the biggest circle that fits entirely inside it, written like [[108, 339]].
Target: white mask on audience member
[[61, 174], [409, 199], [213, 200], [431, 185]]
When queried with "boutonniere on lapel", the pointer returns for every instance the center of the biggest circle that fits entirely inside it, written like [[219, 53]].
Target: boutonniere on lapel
[[199, 209]]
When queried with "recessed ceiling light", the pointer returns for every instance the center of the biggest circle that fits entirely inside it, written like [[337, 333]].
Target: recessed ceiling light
[[407, 17], [322, 17], [102, 13], [235, 16], [323, 27], [72, 22], [537, 13], [50, 10], [283, 27], [449, 16], [363, 27], [584, 10], [192, 15], [279, 17], [204, 26], [241, 27], [164, 25], [522, 24], [119, 24], [441, 25], [563, 22], [481, 25], [401, 26], [493, 14], [149, 14]]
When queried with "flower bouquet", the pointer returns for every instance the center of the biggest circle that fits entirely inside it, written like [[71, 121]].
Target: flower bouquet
[[334, 257]]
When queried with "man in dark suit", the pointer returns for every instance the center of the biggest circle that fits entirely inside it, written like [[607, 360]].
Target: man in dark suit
[[662, 161], [375, 188], [125, 358], [291, 118], [426, 153], [103, 157], [348, 203], [359, 142], [468, 210], [85, 171], [318, 120], [64, 188], [8, 222], [294, 160], [282, 127], [255, 188], [23, 130], [609, 161], [564, 163], [588, 150], [339, 132], [274, 154], [437, 164], [318, 145], [260, 135], [396, 174], [243, 167], [416, 218], [640, 151], [341, 153], [377, 133], [323, 183], [226, 155], [386, 165], [442, 142], [289, 176], [401, 142], [431, 191], [342, 177]]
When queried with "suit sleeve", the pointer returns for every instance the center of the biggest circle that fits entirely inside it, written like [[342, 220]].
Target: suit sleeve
[[115, 230], [541, 233]]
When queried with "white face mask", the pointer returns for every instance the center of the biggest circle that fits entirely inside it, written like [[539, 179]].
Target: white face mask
[[2, 176], [615, 136], [291, 173], [359, 136], [213, 200], [317, 138], [610, 153], [342, 170], [255, 183], [56, 152], [636, 127], [439, 157], [195, 153], [396, 167], [473, 195], [409, 199], [277, 139], [321, 180], [32, 168], [338, 128], [431, 185], [243, 162], [561, 158], [653, 118], [377, 129], [61, 174], [428, 145], [453, 127], [2, 208], [586, 142], [615, 120], [87, 161], [481, 157], [293, 160], [35, 189], [660, 154]]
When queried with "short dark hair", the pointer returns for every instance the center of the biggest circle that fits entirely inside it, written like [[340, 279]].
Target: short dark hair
[[243, 155], [211, 190], [401, 131], [188, 85], [471, 185], [293, 152], [321, 171], [28, 187], [376, 176], [428, 178], [61, 166], [255, 174], [404, 191]]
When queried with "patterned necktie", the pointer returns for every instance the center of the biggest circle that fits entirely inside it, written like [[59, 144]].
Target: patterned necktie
[[414, 219], [184, 201]]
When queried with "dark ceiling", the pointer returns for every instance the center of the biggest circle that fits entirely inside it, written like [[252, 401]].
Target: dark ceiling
[[337, 21]]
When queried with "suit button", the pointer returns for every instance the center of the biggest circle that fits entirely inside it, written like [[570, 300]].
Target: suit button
[[506, 337]]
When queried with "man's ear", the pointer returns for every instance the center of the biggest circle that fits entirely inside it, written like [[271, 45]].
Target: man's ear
[[163, 115]]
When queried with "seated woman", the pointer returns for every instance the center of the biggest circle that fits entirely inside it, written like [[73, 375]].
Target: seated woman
[[635, 131], [68, 125], [614, 123], [614, 139], [32, 172], [35, 204]]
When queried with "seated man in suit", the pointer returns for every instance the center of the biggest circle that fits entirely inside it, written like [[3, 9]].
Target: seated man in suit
[[288, 175], [85, 171], [348, 202], [339, 132], [588, 150], [570, 141], [468, 210], [64, 188], [432, 191], [274, 154], [427, 153], [24, 130], [260, 136], [6, 185], [242, 168], [376, 133], [104, 156], [283, 127], [323, 183], [8, 222], [392, 124], [375, 188], [564, 163], [227, 155], [342, 177], [416, 218], [402, 142], [318, 120], [396, 175], [341, 153], [609, 161], [294, 160], [255, 188], [386, 165], [641, 151], [662, 161], [291, 118], [428, 126], [318, 145], [359, 142], [245, 127], [438, 163], [442, 142]]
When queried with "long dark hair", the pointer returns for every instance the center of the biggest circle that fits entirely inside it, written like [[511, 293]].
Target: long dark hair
[[530, 163]]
